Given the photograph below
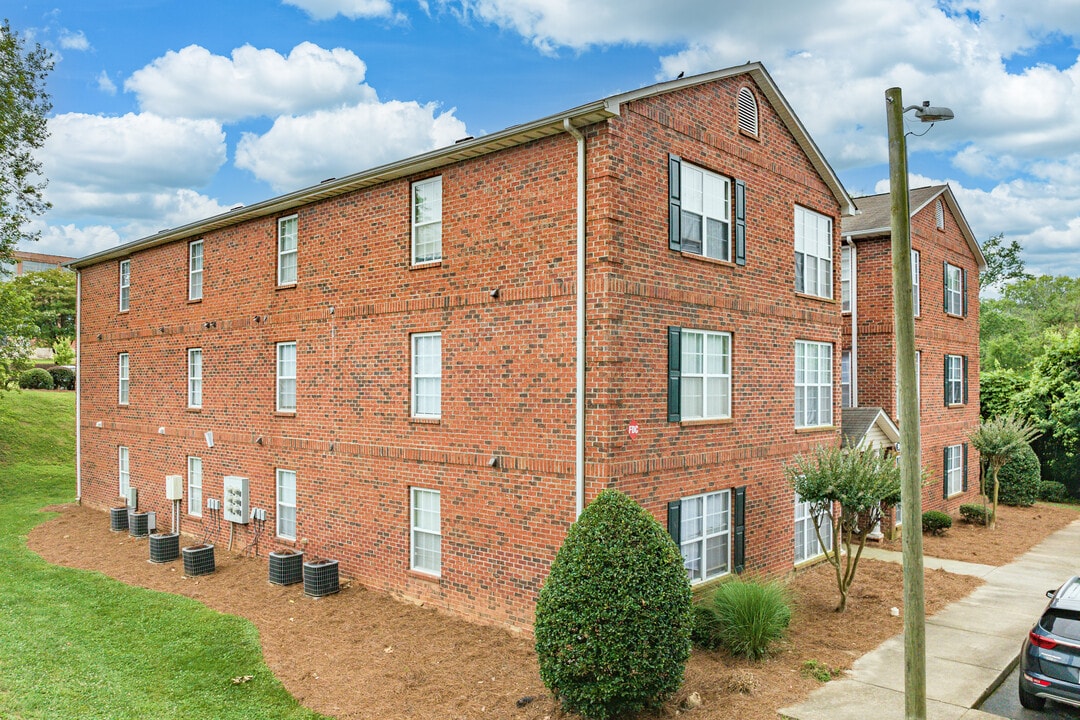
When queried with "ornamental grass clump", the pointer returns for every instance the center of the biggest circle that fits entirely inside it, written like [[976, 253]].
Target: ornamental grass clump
[[751, 615], [613, 619]]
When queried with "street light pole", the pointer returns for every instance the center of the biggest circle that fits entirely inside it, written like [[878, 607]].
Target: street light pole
[[910, 446]]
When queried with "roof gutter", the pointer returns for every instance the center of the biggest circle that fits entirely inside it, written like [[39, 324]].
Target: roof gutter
[[579, 332]]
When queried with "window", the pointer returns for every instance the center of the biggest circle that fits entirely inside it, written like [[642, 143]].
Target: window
[[195, 270], [918, 384], [706, 375], [194, 485], [955, 379], [427, 375], [286, 257], [122, 374], [427, 221], [286, 377], [705, 535], [813, 384], [845, 379], [125, 285], [286, 504], [915, 271], [426, 524], [813, 253], [748, 111], [845, 279], [955, 290], [955, 459], [807, 545], [706, 213], [194, 377], [123, 459], [939, 215], [29, 266]]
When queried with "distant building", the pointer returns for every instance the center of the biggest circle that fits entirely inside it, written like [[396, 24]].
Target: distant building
[[28, 262]]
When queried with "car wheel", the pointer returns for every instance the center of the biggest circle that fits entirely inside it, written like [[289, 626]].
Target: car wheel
[[1031, 702]]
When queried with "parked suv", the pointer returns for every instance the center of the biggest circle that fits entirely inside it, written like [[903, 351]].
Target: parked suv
[[1050, 659]]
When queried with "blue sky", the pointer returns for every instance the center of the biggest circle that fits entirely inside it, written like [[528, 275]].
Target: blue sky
[[167, 112]]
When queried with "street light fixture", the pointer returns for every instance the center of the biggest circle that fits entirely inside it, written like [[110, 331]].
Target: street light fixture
[[911, 455]]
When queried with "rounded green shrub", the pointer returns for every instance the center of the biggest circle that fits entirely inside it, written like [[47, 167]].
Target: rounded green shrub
[[1053, 491], [706, 630], [63, 378], [752, 615], [976, 514], [613, 619], [936, 522], [1018, 479], [36, 379]]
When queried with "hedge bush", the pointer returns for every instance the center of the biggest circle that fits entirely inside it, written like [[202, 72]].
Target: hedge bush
[[613, 619], [63, 378], [936, 522], [1053, 491], [705, 632], [36, 379], [976, 514], [1018, 479], [752, 615]]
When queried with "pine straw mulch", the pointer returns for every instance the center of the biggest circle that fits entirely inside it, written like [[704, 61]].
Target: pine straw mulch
[[363, 654]]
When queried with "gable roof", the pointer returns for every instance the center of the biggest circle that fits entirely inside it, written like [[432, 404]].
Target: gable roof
[[874, 216], [594, 112], [855, 423]]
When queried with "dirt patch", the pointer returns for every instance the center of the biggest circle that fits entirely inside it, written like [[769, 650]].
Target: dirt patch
[[363, 654]]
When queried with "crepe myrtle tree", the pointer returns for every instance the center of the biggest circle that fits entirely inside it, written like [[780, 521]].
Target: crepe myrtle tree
[[850, 489], [999, 440]]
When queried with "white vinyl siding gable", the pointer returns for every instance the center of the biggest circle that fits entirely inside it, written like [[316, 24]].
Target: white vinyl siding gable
[[705, 535], [286, 377], [195, 378], [706, 375], [286, 504], [195, 270], [813, 384], [287, 251], [425, 514], [194, 488], [813, 253], [427, 221]]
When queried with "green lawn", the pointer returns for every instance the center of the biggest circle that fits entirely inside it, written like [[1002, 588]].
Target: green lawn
[[76, 644]]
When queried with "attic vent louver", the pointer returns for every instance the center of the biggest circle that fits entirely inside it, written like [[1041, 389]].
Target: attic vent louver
[[748, 113]]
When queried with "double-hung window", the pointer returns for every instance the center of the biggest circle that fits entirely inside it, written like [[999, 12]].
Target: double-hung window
[[425, 531], [954, 469], [954, 379], [813, 384], [194, 485], [916, 271], [706, 375], [286, 504], [123, 465], [845, 379], [287, 251], [807, 545], [123, 375], [427, 221], [705, 535], [813, 253], [195, 270], [845, 279], [125, 285], [427, 375], [194, 377], [954, 290], [706, 213], [286, 377]]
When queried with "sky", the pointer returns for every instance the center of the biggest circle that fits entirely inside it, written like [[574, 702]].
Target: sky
[[166, 112]]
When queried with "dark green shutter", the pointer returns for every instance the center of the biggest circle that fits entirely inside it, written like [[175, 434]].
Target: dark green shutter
[[740, 222], [964, 361], [945, 474], [963, 459], [945, 284], [946, 376], [738, 550], [674, 383], [963, 292], [674, 203], [674, 521]]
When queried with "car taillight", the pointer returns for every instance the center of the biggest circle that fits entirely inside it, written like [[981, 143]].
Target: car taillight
[[1038, 681], [1041, 641]]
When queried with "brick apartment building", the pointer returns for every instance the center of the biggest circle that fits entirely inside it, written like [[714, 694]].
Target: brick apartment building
[[22, 262], [426, 369], [945, 261]]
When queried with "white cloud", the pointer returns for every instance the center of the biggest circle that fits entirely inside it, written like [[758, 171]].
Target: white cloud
[[105, 83], [74, 40], [72, 241], [301, 151], [353, 9], [195, 83]]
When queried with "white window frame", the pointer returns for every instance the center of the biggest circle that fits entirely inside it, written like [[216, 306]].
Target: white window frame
[[954, 469], [696, 539], [706, 203], [195, 270], [954, 289], [194, 365], [426, 375], [285, 380], [955, 379], [805, 521], [286, 509], [916, 282], [709, 369], [123, 468], [427, 215], [845, 379], [845, 279], [813, 384], [288, 248], [425, 524], [125, 285], [813, 253], [123, 378], [194, 485]]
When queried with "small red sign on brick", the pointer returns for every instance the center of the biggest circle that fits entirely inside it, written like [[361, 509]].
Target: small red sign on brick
[[633, 429]]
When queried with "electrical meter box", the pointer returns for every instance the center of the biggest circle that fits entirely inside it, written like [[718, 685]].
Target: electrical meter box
[[235, 506], [174, 487]]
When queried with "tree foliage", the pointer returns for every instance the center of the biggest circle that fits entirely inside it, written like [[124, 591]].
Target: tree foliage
[[1052, 400], [16, 333], [52, 300], [23, 106], [999, 440], [1011, 327], [851, 489], [1003, 263]]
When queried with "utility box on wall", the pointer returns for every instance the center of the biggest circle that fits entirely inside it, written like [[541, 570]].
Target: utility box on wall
[[236, 499], [174, 487]]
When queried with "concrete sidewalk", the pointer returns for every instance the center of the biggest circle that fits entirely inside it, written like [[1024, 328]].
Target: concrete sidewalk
[[970, 645]]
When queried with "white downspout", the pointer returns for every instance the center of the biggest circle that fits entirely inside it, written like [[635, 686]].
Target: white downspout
[[78, 386], [854, 326], [579, 334]]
